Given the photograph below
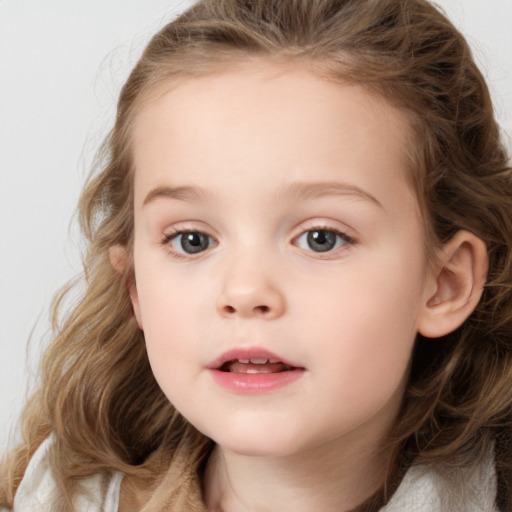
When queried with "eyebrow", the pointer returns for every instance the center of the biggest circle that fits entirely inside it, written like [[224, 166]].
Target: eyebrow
[[185, 193], [298, 189], [315, 190]]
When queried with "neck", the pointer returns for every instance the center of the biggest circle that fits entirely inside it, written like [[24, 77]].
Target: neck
[[328, 478]]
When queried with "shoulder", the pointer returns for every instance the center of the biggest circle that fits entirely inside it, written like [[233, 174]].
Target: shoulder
[[38, 490], [449, 490]]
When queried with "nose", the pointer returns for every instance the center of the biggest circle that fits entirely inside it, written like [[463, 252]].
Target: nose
[[250, 293]]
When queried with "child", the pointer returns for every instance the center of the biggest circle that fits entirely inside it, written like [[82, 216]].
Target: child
[[298, 278]]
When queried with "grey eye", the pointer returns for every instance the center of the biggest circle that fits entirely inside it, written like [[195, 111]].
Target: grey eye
[[191, 242], [321, 240]]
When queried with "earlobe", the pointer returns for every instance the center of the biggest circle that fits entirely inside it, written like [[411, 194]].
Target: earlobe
[[118, 255], [459, 282]]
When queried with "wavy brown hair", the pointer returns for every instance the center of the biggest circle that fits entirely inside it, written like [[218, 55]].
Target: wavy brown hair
[[98, 397]]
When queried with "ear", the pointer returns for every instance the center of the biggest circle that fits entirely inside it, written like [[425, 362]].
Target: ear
[[118, 255], [459, 281]]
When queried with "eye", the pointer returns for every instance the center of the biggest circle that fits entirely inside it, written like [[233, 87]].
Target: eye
[[322, 240], [190, 242]]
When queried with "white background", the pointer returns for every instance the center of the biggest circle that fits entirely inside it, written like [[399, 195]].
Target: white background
[[61, 67]]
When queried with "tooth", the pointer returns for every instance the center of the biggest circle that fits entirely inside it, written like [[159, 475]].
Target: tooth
[[245, 361], [273, 361], [252, 370], [259, 361]]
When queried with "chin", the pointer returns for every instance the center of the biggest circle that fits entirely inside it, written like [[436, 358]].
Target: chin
[[254, 446], [256, 451], [256, 435]]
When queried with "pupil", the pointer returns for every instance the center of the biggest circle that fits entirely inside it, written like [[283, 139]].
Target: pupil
[[194, 242], [321, 240], [194, 239]]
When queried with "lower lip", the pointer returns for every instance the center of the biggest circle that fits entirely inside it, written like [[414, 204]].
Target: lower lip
[[255, 383]]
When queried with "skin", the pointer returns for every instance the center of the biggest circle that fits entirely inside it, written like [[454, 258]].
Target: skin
[[254, 150]]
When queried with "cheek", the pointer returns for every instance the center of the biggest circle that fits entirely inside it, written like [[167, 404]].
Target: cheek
[[365, 323], [362, 354], [167, 316]]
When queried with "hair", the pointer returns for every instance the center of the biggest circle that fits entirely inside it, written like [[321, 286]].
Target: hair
[[98, 397]]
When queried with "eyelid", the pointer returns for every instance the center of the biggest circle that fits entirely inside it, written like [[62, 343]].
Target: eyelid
[[183, 231], [349, 239], [173, 229], [327, 224], [168, 238], [341, 234]]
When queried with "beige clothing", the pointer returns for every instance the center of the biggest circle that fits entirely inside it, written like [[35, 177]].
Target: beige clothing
[[420, 491]]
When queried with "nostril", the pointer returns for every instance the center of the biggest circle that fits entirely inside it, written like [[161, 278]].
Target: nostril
[[229, 309], [262, 309]]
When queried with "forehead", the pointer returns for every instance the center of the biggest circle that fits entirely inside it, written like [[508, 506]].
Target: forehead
[[267, 117]]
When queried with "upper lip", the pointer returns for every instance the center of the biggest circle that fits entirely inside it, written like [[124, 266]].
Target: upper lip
[[243, 353]]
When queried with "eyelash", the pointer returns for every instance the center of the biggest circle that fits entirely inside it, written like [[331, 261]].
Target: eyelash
[[169, 238], [342, 240]]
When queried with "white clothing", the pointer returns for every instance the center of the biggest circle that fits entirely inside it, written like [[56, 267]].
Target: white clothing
[[456, 490], [37, 490], [420, 491]]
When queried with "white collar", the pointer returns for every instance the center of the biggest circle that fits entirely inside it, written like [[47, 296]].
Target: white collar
[[447, 490]]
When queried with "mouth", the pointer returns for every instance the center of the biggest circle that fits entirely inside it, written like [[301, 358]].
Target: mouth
[[252, 360], [253, 371], [255, 365]]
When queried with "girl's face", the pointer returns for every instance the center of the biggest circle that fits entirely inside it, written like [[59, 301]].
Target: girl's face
[[279, 257]]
